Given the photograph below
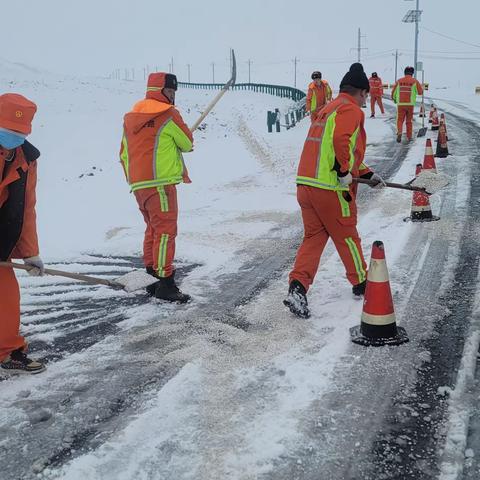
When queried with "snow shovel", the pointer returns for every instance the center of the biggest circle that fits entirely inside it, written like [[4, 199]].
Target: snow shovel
[[131, 281], [426, 182], [229, 84], [423, 131]]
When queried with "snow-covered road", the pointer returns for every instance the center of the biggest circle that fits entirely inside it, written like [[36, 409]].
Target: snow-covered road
[[231, 386]]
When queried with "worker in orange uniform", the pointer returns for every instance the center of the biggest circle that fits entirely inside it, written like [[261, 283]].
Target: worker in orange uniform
[[18, 230], [332, 156], [376, 93], [404, 94], [154, 138], [318, 95]]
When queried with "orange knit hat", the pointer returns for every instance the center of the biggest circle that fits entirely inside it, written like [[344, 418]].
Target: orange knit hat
[[16, 113]]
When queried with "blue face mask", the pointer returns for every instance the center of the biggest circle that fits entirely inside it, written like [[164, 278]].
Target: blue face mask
[[11, 140]]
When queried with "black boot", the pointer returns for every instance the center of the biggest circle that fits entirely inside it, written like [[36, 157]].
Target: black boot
[[359, 289], [296, 300], [166, 289], [399, 138], [152, 272]]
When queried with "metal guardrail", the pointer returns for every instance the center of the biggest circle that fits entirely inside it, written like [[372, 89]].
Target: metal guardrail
[[293, 114], [281, 91]]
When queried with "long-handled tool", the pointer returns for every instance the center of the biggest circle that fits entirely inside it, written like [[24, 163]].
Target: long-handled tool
[[229, 84], [423, 131], [425, 182], [131, 281], [402, 186]]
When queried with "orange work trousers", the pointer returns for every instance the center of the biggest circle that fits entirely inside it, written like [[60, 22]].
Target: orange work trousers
[[314, 115], [376, 99], [326, 214], [405, 114], [10, 338], [160, 212]]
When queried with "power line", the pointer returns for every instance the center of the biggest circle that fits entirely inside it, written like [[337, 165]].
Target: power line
[[451, 38], [453, 52], [432, 57]]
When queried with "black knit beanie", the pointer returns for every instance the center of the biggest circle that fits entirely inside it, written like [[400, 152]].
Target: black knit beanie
[[356, 78]]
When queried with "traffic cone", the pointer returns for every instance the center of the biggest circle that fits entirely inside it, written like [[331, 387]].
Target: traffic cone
[[421, 114], [430, 115], [429, 159], [442, 120], [442, 145], [435, 121], [421, 210], [378, 324]]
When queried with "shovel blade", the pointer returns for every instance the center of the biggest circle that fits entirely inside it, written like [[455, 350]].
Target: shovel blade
[[135, 280], [422, 132], [431, 182]]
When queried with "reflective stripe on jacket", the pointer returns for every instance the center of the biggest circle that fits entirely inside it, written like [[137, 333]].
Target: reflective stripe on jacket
[[376, 86], [318, 96], [336, 141], [154, 137], [405, 90]]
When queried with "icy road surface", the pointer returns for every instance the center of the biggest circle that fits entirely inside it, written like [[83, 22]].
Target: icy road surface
[[231, 386]]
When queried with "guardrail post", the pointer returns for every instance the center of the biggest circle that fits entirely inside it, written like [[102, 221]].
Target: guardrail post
[[277, 120]]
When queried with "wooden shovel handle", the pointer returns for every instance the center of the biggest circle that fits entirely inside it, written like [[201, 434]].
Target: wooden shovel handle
[[210, 107], [401, 186], [60, 273]]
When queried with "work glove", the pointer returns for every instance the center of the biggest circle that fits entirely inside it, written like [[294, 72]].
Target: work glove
[[346, 179], [380, 181], [37, 269]]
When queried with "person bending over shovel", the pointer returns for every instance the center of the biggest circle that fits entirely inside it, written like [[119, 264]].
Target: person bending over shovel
[[154, 137], [18, 231], [332, 155]]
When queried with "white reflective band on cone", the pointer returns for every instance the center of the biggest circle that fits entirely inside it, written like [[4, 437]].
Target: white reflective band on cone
[[429, 151], [378, 271], [378, 319], [420, 208]]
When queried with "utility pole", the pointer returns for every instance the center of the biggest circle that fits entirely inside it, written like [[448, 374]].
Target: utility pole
[[359, 47], [188, 66], [249, 65], [396, 55], [295, 61], [417, 19], [213, 71], [414, 16]]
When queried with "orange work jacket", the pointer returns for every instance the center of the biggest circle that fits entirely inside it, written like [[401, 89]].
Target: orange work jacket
[[376, 86], [405, 91], [18, 225], [318, 96], [335, 143], [154, 138]]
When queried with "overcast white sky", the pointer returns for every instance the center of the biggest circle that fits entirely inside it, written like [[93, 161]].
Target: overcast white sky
[[97, 36]]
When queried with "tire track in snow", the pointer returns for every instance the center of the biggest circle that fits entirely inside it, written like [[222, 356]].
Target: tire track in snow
[[63, 415]]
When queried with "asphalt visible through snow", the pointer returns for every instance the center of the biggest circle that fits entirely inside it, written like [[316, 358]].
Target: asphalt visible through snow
[[388, 420], [61, 420]]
